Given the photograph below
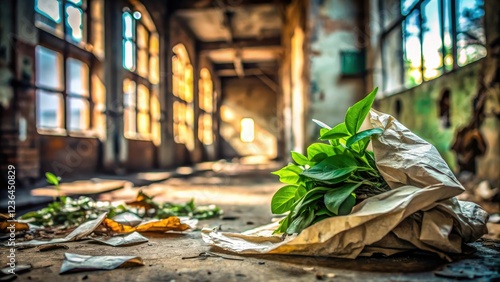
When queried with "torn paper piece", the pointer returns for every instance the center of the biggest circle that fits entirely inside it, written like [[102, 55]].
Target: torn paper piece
[[75, 262], [128, 218], [124, 240], [77, 234]]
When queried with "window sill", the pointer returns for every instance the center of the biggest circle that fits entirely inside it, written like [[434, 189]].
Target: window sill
[[65, 133]]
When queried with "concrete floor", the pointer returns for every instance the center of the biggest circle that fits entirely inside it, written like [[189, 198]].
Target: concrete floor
[[245, 195]]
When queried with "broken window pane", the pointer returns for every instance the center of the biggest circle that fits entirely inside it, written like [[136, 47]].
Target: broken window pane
[[129, 117], [154, 69], [143, 124], [128, 26], [412, 50], [78, 114], [154, 47], [50, 9], [128, 55], [470, 31], [48, 68], [129, 93], [74, 23], [142, 62], [142, 37], [431, 44], [143, 98], [78, 77], [49, 110], [49, 16]]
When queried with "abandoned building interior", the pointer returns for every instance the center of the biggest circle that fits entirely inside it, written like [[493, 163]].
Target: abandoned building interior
[[122, 88]]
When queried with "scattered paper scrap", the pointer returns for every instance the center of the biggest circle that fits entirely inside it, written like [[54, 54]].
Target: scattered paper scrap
[[75, 262], [172, 223], [124, 240], [77, 234], [128, 218], [20, 268]]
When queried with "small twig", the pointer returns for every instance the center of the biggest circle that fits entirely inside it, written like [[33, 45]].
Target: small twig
[[205, 255]]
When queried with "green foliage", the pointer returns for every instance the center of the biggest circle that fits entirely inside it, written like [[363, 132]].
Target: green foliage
[[328, 181], [70, 212], [54, 180]]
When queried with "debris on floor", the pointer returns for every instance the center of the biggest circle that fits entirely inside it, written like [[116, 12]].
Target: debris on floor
[[123, 240], [76, 262]]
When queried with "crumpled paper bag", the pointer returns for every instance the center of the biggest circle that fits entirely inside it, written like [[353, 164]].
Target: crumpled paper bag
[[419, 212]]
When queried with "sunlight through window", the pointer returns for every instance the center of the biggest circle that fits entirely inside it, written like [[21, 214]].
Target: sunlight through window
[[247, 130]]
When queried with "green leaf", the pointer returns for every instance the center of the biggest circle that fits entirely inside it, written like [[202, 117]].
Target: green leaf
[[301, 191], [347, 205], [339, 131], [324, 211], [331, 177], [301, 222], [289, 174], [299, 158], [362, 135], [318, 148], [335, 197], [321, 124], [356, 114], [51, 178], [283, 199]]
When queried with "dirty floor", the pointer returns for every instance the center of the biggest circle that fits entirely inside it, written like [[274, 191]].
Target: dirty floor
[[245, 197]]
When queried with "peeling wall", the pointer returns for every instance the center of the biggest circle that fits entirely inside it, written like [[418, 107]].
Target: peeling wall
[[334, 28], [419, 108]]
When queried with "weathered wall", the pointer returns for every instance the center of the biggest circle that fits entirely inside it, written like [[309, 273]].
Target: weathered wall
[[470, 87], [419, 108], [248, 98], [334, 27]]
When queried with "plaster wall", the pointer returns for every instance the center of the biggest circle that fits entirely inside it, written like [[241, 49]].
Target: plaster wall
[[333, 28], [248, 98]]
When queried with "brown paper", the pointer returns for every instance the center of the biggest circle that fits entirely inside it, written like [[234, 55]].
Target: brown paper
[[420, 212]]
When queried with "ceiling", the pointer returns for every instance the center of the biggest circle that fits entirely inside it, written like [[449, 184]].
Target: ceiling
[[243, 33]]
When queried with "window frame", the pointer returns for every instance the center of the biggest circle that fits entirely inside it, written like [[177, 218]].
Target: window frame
[[400, 22], [138, 79], [69, 49]]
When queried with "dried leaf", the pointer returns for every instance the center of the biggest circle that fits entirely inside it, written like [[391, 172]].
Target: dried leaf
[[6, 226], [172, 223]]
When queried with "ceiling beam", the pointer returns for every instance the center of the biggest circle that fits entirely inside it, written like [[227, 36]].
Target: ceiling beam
[[240, 43]]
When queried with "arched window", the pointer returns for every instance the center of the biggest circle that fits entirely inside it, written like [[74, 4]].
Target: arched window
[[70, 96], [206, 101], [140, 87], [182, 89]]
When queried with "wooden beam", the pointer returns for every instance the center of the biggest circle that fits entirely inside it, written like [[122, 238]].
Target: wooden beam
[[240, 43]]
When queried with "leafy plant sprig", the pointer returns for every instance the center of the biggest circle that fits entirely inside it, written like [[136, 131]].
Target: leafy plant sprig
[[54, 180], [331, 177]]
